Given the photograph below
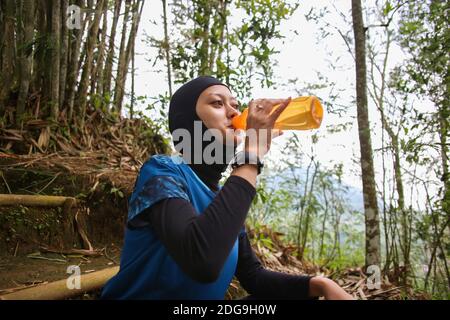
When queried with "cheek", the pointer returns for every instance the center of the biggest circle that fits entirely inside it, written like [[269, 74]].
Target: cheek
[[213, 118]]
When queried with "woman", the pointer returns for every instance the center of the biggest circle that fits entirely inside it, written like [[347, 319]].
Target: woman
[[185, 235]]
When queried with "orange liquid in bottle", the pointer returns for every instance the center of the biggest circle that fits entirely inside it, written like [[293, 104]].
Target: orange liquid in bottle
[[302, 113]]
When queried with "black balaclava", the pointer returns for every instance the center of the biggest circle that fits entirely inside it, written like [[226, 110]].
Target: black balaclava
[[182, 114]]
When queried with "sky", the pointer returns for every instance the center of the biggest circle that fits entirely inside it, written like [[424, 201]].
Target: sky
[[303, 54]]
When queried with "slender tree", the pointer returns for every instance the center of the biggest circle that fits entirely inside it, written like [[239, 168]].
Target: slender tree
[[74, 60], [91, 44], [122, 72], [26, 27], [8, 59], [373, 254], [122, 58], [107, 74], [55, 57], [64, 53], [97, 79], [166, 47]]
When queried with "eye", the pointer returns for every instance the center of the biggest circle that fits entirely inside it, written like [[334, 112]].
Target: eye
[[220, 103]]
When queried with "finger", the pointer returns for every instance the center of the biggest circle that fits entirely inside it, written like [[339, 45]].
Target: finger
[[253, 105], [272, 102], [267, 105], [276, 113]]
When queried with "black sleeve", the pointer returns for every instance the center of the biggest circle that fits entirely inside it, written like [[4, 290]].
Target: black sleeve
[[200, 244], [265, 284]]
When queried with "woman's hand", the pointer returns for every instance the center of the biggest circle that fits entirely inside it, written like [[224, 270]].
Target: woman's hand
[[327, 288], [260, 122]]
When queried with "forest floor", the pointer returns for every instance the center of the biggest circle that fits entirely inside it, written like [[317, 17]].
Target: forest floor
[[102, 186]]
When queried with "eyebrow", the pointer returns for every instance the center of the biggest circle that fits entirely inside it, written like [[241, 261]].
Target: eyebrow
[[221, 95]]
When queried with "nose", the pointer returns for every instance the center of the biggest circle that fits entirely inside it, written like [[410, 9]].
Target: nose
[[231, 111]]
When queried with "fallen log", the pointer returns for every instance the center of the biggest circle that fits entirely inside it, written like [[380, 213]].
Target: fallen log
[[59, 290], [33, 201], [10, 290]]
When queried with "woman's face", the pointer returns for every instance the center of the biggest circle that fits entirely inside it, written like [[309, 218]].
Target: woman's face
[[216, 107]]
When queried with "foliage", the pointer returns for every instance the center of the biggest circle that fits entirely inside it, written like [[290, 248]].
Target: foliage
[[208, 39]]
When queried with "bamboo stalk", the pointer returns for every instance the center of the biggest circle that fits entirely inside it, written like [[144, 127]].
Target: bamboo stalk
[[30, 200], [59, 290]]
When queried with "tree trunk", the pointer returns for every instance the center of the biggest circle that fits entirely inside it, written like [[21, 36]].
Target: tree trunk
[[221, 48], [84, 82], [27, 31], [55, 57], [98, 79], [444, 115], [97, 63], [73, 70], [406, 223], [122, 56], [64, 53], [205, 46], [47, 59], [167, 48], [122, 72], [379, 97], [300, 231], [220, 20], [107, 74], [40, 48], [2, 27], [308, 209], [373, 256], [325, 216], [8, 53], [133, 75]]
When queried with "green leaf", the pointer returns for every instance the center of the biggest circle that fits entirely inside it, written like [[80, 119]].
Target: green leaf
[[387, 8]]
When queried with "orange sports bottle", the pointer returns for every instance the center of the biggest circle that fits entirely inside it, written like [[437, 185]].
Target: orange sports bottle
[[302, 113]]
